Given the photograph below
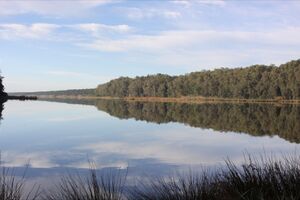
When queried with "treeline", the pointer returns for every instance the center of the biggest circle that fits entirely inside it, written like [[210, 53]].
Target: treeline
[[75, 92], [257, 81]]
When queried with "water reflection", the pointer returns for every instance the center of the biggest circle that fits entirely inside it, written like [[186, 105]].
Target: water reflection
[[55, 136], [253, 119], [1, 109]]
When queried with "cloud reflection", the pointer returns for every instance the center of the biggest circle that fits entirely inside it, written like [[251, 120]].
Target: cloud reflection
[[112, 142]]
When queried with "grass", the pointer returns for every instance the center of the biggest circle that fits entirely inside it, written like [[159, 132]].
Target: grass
[[266, 179], [191, 186], [12, 186], [107, 186], [263, 178]]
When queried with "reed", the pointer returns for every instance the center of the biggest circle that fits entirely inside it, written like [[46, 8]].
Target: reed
[[12, 187], [264, 178], [95, 186]]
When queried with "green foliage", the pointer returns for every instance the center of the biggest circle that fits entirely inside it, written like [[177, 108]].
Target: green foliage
[[156, 85], [257, 81]]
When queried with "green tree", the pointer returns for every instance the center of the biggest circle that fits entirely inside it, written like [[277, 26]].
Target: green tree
[[257, 81]]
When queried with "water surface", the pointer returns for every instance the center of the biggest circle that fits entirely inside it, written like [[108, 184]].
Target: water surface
[[148, 138]]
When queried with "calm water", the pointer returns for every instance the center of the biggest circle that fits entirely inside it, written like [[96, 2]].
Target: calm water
[[149, 138]]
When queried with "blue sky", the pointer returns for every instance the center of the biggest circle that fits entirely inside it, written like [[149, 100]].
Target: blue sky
[[52, 45]]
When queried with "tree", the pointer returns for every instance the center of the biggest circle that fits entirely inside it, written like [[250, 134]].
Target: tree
[[3, 95], [257, 81]]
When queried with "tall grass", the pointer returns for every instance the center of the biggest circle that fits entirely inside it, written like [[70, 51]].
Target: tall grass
[[191, 186], [264, 178], [96, 186], [12, 187]]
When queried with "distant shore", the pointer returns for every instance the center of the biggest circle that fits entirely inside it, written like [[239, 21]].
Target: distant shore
[[184, 99]]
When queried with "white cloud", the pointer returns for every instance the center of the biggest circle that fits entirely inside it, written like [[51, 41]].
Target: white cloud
[[100, 29], [177, 47], [56, 8], [162, 41], [206, 49], [176, 40], [188, 3], [147, 13], [212, 2], [171, 14], [41, 30], [34, 31], [184, 3]]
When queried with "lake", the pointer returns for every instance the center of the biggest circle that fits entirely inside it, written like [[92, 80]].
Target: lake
[[149, 139]]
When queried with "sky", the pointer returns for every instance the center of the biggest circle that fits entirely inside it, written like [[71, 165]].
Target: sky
[[67, 44]]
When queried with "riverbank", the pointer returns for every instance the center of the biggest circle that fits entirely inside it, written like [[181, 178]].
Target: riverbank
[[184, 99]]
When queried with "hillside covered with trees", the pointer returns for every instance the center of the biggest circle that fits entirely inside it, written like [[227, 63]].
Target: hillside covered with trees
[[254, 82]]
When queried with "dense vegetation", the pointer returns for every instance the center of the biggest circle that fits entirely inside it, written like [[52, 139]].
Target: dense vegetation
[[257, 81], [3, 95], [253, 119], [266, 180]]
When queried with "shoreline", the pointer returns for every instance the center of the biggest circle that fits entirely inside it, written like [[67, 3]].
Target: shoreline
[[184, 99]]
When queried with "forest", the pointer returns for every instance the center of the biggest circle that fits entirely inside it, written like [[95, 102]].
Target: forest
[[254, 82]]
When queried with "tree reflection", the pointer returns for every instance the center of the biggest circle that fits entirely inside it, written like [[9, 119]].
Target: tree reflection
[[253, 119], [1, 109]]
